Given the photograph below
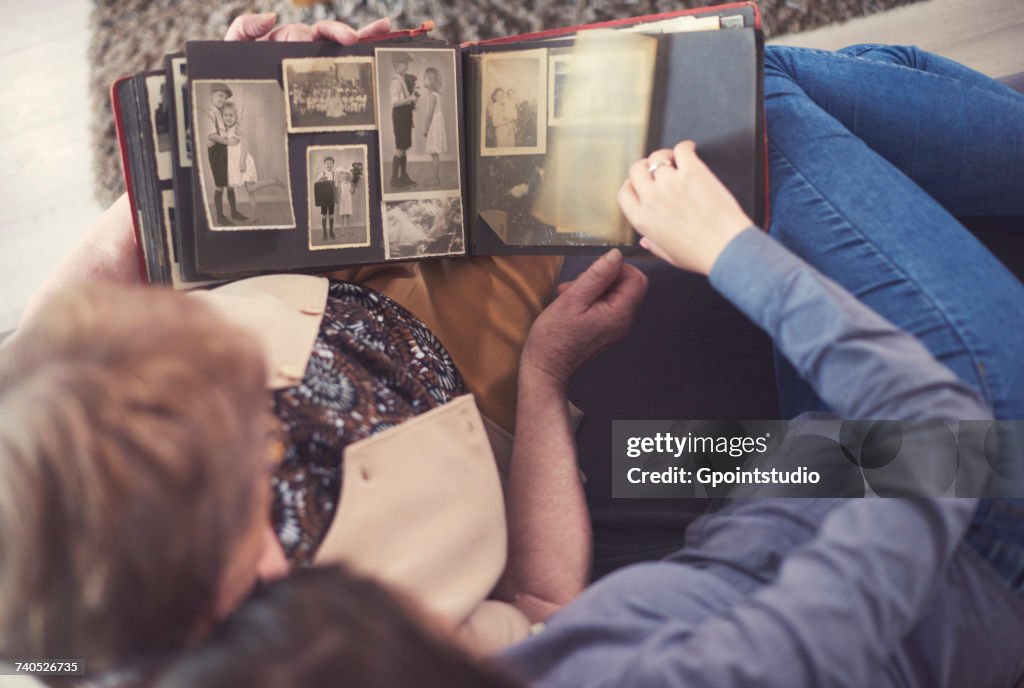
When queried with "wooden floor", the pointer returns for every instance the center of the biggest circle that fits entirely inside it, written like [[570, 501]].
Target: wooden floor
[[987, 35], [45, 182], [46, 197]]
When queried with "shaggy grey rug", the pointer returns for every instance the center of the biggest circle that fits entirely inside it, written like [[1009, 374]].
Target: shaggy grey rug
[[129, 36]]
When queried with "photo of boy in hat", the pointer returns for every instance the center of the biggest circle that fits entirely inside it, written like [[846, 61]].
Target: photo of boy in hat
[[217, 150], [242, 123], [404, 96]]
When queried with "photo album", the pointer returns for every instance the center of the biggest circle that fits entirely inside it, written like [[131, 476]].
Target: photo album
[[250, 158]]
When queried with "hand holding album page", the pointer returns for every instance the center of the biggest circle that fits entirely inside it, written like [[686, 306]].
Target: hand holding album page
[[602, 108]]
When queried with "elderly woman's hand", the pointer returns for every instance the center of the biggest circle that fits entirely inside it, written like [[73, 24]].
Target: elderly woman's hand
[[686, 216], [591, 313], [261, 27]]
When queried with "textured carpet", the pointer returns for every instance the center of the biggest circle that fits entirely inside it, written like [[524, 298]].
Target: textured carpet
[[132, 35]]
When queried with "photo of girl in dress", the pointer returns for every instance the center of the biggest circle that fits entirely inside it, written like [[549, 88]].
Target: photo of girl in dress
[[417, 97], [339, 200], [514, 90], [239, 125], [242, 174], [437, 139]]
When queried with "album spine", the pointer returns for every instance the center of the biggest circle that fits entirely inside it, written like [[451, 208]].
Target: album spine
[[119, 129]]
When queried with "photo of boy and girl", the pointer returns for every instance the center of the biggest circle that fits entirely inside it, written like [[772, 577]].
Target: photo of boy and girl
[[419, 138], [240, 127], [338, 196]]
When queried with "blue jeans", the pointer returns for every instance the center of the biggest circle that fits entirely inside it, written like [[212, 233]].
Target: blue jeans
[[874, 152]]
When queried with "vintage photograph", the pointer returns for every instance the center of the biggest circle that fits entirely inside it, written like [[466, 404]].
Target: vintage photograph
[[422, 227], [514, 100], [507, 189], [242, 154], [329, 93], [417, 96], [182, 108], [599, 99], [160, 123], [338, 197]]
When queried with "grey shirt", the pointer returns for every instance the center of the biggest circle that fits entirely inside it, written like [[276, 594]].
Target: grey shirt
[[793, 593]]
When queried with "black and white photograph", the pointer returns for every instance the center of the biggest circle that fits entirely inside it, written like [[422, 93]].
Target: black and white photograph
[[507, 189], [417, 96], [179, 78], [160, 123], [242, 154], [598, 97], [338, 197], [329, 93], [514, 102], [422, 227], [170, 220]]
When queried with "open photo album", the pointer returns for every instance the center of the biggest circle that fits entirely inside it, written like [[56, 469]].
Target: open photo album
[[251, 158]]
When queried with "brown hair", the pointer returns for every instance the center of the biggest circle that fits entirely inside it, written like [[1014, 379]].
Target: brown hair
[[130, 419], [323, 628]]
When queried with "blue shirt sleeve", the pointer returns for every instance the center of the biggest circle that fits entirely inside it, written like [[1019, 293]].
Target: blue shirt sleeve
[[838, 609], [859, 363]]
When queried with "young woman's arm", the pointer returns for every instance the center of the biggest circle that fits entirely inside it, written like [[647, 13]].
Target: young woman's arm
[[861, 365], [549, 526]]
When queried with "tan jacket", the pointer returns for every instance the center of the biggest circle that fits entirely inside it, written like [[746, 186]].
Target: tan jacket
[[421, 507]]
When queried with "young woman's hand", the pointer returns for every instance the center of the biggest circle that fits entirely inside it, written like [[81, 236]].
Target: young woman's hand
[[686, 216], [261, 27], [591, 313]]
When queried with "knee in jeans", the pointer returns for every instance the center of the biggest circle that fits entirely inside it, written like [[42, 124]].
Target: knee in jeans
[[776, 59], [906, 55]]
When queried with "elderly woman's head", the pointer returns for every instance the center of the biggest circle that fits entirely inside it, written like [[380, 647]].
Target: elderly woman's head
[[133, 475]]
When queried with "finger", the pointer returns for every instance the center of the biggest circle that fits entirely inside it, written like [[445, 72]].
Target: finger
[[658, 251], [629, 289], [662, 157], [596, 279], [249, 27], [375, 28], [629, 202], [685, 153], [564, 285], [291, 33], [643, 182], [336, 31]]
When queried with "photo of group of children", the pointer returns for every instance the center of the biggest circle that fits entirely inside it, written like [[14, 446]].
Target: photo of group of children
[[329, 94], [240, 149]]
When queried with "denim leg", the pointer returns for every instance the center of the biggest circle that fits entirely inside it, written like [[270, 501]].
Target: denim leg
[[841, 203], [956, 133]]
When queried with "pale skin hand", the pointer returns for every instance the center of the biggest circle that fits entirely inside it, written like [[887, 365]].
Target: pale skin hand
[[686, 216], [548, 523]]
